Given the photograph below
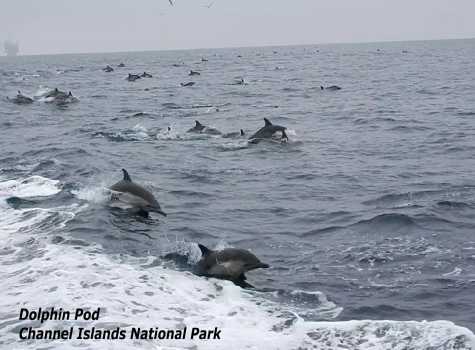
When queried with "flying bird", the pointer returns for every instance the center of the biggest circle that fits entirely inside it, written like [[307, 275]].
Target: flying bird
[[171, 2], [209, 5]]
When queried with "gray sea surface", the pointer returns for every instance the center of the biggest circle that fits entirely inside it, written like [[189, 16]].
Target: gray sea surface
[[366, 215]]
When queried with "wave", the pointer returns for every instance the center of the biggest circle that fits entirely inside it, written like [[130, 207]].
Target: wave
[[160, 297], [453, 204], [33, 186], [29, 216], [389, 218]]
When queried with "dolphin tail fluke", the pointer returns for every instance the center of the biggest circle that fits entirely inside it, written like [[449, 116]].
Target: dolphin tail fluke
[[126, 176], [267, 121], [204, 250]]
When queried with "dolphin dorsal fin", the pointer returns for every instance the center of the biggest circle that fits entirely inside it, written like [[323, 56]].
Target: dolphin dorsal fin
[[267, 121], [126, 176], [242, 132], [204, 250], [198, 123]]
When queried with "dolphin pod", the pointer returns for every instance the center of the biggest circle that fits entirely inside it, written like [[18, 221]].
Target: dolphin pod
[[131, 193], [60, 97], [268, 132], [55, 96], [203, 129], [229, 264]]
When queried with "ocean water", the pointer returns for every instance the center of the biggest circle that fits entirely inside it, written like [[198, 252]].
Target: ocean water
[[366, 215]]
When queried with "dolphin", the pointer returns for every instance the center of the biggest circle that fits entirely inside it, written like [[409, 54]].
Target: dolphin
[[203, 129], [108, 69], [65, 99], [193, 72], [268, 131], [131, 193], [132, 77], [146, 75], [59, 97], [229, 264], [121, 65], [56, 93], [21, 99], [331, 88], [239, 81], [239, 133], [190, 83]]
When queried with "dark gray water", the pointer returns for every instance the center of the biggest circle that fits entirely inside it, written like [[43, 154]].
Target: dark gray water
[[366, 215]]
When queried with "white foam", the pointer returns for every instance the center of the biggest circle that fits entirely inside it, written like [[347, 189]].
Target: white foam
[[94, 194], [455, 272], [42, 91], [135, 292], [133, 295], [13, 221], [33, 186]]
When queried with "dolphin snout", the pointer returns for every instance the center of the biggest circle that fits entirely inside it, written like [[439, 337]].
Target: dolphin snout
[[161, 212], [157, 210], [262, 266]]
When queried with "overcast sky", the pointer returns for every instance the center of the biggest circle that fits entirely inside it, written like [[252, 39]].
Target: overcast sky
[[60, 26]]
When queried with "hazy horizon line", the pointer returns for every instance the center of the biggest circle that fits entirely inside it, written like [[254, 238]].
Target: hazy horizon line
[[242, 47]]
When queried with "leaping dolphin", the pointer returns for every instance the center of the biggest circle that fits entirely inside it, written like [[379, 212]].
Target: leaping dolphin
[[131, 193], [268, 131], [229, 264]]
